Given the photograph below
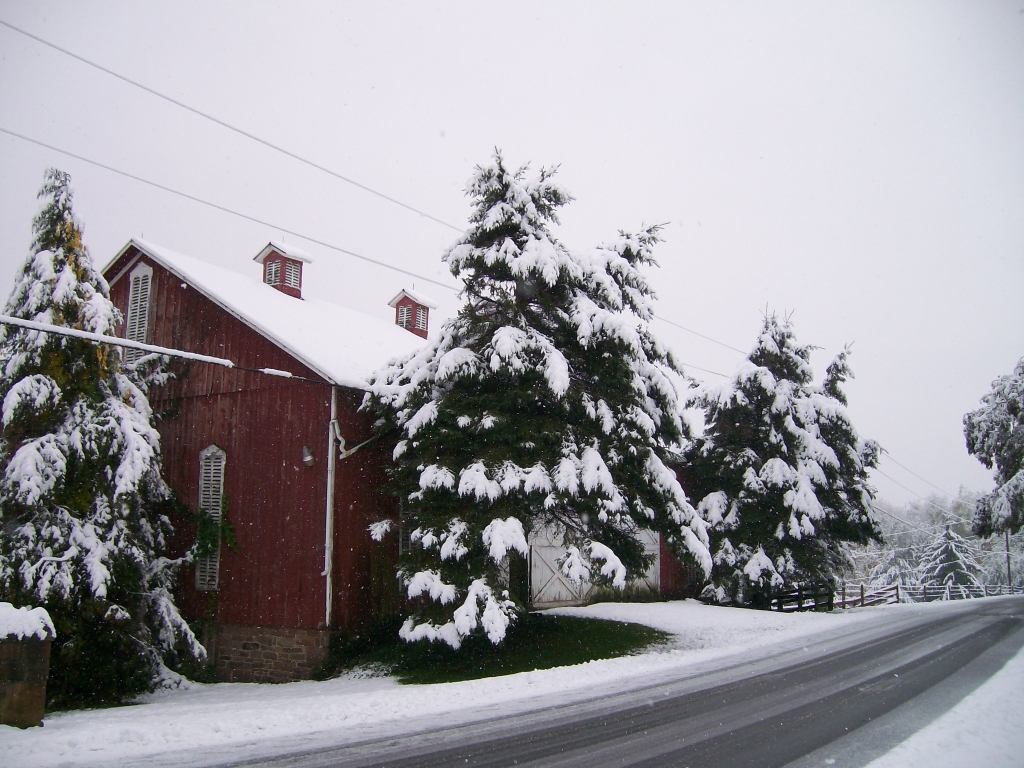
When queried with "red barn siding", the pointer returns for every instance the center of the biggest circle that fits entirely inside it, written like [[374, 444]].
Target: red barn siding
[[276, 504]]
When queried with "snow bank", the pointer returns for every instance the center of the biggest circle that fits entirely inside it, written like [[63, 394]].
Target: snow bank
[[19, 623], [717, 630], [983, 729]]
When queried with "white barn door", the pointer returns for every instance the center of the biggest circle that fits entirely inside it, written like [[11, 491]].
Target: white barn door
[[550, 588]]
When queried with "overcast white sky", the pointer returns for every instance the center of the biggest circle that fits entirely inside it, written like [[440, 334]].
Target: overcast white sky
[[860, 165]]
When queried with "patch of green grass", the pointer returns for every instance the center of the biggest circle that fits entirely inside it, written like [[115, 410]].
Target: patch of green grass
[[537, 641]]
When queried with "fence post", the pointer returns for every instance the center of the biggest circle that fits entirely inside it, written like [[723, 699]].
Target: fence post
[[844, 595], [897, 593], [800, 597], [861, 595]]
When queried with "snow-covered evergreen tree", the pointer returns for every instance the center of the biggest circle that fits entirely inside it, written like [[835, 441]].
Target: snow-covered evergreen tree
[[545, 402], [949, 560], [780, 471], [81, 494], [995, 435], [898, 565]]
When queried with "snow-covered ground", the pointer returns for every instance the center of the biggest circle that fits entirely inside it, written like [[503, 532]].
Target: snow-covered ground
[[983, 729], [209, 723]]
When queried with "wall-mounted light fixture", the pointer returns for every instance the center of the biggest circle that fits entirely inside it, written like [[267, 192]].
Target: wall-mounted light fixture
[[307, 457]]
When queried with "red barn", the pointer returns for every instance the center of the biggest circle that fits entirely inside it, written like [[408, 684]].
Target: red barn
[[266, 451]]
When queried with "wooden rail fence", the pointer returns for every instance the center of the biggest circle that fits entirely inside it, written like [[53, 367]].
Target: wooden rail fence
[[862, 595], [818, 597]]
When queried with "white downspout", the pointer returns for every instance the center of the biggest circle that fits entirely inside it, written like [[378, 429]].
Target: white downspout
[[332, 431]]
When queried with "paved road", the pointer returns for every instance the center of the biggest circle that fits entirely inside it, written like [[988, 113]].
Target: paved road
[[795, 707]]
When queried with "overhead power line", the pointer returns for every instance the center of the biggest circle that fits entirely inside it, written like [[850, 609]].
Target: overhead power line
[[696, 333], [908, 469], [286, 230], [229, 126], [901, 485], [706, 370], [233, 212], [294, 156]]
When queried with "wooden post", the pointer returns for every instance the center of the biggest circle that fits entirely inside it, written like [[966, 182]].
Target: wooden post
[[800, 597], [897, 593], [1009, 578], [844, 595], [861, 595]]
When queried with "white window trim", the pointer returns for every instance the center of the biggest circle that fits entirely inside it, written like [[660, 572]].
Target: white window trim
[[140, 289], [212, 463]]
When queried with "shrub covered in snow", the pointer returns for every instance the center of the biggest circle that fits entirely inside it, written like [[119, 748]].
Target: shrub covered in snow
[[80, 489], [546, 401], [995, 435], [780, 471]]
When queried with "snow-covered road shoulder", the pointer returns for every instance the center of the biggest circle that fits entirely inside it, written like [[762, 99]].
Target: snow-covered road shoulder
[[983, 729]]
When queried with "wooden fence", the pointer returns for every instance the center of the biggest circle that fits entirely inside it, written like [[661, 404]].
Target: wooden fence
[[861, 595], [810, 597]]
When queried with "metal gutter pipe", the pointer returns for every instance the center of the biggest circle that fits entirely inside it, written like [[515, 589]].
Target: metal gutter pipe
[[332, 432]]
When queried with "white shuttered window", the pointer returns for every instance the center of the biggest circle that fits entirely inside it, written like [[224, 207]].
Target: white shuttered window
[[421, 318], [291, 274], [140, 283], [404, 314], [211, 493]]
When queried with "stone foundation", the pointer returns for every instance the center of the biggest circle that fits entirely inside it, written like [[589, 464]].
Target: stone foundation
[[252, 654], [24, 667]]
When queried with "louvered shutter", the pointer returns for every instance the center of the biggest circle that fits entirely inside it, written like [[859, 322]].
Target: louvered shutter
[[211, 493], [421, 318], [140, 282], [404, 311], [291, 274], [273, 272]]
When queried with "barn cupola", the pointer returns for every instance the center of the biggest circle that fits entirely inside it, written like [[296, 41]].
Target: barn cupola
[[282, 267], [412, 311]]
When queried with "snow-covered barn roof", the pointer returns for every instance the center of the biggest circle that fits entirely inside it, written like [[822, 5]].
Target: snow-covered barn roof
[[341, 345], [419, 298]]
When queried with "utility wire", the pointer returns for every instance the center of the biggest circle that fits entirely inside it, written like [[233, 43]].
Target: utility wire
[[900, 519], [706, 370], [231, 211], [296, 156], [265, 223], [229, 126], [246, 216], [901, 485], [708, 338], [908, 469]]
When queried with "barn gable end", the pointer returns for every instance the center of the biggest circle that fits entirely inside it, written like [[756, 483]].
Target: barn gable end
[[266, 618]]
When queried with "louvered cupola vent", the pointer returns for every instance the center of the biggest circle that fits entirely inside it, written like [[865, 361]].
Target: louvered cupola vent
[[412, 311], [282, 267]]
